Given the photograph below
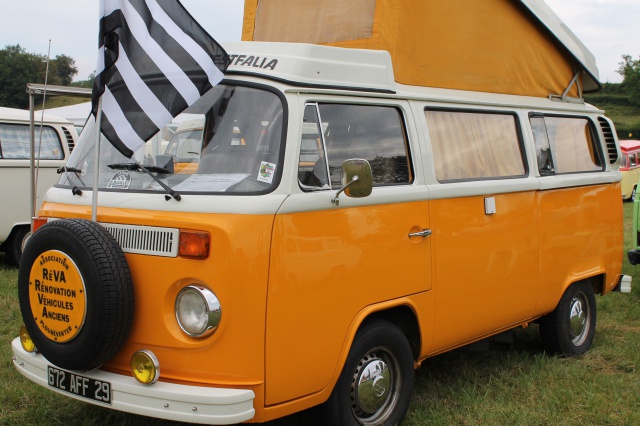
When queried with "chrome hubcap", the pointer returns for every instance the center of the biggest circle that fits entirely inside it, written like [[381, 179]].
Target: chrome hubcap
[[579, 321], [374, 388]]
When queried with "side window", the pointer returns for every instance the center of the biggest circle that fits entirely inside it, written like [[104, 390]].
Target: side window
[[566, 145], [475, 145], [633, 159], [624, 160], [15, 142], [371, 132]]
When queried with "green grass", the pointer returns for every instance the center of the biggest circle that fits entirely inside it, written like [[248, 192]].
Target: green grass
[[511, 384]]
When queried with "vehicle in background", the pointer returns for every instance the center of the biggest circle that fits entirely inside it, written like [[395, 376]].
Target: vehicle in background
[[634, 254], [185, 145], [630, 168], [54, 141]]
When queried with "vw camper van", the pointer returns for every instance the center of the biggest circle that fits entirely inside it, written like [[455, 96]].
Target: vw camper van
[[630, 168], [55, 140], [342, 224]]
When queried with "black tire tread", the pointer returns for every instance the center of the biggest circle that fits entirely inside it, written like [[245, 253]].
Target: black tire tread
[[112, 297]]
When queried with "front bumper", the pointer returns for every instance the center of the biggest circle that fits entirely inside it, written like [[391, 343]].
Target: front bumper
[[163, 400]]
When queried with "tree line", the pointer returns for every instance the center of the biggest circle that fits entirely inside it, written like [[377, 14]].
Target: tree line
[[19, 67]]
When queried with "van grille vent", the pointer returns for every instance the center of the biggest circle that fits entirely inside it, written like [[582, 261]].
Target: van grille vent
[[609, 138], [70, 143], [148, 240]]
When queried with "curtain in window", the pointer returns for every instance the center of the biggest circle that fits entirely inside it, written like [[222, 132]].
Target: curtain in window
[[15, 142], [474, 145], [571, 145]]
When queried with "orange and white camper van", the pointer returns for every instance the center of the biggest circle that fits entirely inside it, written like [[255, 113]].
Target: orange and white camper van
[[630, 168], [355, 208]]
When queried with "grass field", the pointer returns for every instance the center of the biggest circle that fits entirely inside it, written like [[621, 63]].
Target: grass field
[[511, 384]]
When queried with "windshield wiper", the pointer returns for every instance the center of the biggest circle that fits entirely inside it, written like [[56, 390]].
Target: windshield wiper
[[75, 190], [68, 169], [137, 167]]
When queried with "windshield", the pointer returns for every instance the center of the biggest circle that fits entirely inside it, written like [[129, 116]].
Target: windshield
[[227, 142]]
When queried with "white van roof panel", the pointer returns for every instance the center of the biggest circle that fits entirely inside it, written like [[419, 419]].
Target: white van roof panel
[[22, 115]]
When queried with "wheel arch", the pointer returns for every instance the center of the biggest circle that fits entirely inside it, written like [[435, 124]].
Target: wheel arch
[[597, 282], [400, 312], [405, 319]]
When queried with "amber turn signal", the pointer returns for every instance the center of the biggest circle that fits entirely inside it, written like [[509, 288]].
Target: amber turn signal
[[194, 244], [38, 222]]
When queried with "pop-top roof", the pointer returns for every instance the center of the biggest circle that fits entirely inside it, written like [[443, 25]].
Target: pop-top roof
[[314, 65], [500, 46]]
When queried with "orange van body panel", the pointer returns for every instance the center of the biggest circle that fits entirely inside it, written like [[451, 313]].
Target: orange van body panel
[[486, 265], [327, 266], [595, 213]]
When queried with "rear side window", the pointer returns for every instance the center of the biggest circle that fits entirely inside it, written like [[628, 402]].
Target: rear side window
[[371, 132], [566, 145], [475, 145], [15, 142]]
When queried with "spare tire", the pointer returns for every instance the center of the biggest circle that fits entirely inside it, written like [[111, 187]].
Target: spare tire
[[76, 293]]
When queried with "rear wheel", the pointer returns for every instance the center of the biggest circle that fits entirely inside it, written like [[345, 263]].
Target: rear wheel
[[570, 328], [376, 382]]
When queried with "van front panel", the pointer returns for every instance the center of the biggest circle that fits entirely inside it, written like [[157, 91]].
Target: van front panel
[[236, 270]]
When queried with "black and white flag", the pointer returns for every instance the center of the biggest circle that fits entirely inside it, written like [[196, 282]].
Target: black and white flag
[[154, 60]]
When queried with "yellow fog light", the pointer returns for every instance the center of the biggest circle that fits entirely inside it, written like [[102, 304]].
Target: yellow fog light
[[145, 367], [25, 340]]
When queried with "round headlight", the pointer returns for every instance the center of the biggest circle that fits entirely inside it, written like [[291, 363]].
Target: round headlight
[[198, 311]]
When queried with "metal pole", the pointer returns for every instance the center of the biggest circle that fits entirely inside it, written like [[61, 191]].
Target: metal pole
[[96, 176], [32, 168]]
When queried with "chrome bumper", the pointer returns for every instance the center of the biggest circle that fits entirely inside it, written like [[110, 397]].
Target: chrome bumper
[[163, 400]]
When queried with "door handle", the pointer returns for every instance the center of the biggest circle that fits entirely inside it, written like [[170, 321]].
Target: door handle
[[423, 233]]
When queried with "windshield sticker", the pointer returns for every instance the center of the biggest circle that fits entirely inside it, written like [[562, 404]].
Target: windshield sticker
[[214, 183], [121, 180], [267, 170]]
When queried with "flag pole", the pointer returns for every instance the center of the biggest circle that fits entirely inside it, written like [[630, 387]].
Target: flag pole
[[96, 176]]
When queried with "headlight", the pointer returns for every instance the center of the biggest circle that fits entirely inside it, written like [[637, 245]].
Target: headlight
[[198, 311]]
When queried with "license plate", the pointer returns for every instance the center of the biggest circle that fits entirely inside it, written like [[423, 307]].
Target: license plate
[[75, 384]]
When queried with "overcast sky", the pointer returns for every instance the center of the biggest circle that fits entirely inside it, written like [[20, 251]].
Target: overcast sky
[[609, 28]]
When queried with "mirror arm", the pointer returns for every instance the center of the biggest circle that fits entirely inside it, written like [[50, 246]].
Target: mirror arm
[[335, 199]]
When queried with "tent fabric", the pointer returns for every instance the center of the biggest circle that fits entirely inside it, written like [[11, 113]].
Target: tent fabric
[[339, 20], [496, 46]]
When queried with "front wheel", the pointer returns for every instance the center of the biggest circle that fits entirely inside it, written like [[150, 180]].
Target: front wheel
[[16, 244], [569, 329], [376, 382]]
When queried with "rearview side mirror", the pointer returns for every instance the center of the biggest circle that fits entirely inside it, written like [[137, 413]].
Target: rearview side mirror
[[357, 180]]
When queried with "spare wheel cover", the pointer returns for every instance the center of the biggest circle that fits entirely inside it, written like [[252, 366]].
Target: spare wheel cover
[[76, 293]]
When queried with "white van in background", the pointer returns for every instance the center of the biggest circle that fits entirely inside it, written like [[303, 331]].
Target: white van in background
[[54, 140]]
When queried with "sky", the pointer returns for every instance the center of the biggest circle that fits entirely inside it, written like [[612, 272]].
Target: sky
[[609, 28]]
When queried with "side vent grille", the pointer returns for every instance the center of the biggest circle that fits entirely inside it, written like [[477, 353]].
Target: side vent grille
[[612, 150], [70, 143], [148, 240]]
